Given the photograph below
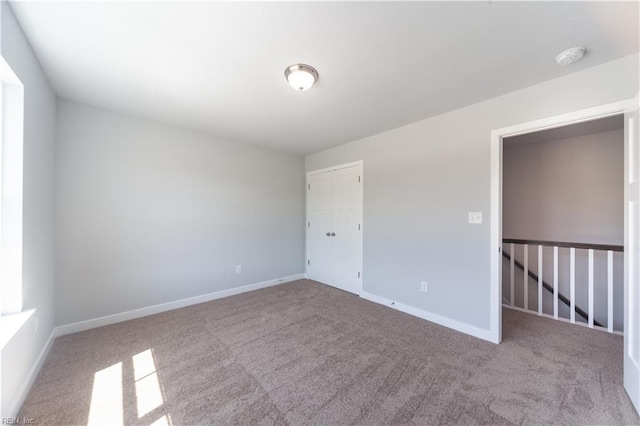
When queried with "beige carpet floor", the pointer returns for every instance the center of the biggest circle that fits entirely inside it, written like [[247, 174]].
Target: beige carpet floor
[[305, 353]]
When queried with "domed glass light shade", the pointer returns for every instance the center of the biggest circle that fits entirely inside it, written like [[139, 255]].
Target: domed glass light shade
[[301, 77]]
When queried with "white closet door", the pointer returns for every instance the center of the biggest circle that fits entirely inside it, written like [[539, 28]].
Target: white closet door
[[334, 229], [319, 232], [345, 240]]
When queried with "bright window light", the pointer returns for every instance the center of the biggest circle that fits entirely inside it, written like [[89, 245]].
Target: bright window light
[[143, 365], [106, 397], [11, 149], [148, 392]]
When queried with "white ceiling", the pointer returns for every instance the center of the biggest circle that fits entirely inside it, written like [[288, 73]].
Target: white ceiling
[[218, 67]]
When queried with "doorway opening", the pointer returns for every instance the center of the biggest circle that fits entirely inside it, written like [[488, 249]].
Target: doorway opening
[[630, 109], [563, 223]]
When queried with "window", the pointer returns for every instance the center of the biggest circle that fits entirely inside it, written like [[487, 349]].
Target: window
[[11, 151]]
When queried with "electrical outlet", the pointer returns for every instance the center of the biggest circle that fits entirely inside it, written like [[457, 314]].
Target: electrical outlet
[[423, 286], [238, 269], [475, 217]]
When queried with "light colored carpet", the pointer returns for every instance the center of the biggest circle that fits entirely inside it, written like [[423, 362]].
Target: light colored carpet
[[305, 353]]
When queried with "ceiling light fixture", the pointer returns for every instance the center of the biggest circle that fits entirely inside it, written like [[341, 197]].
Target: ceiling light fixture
[[570, 56], [300, 76]]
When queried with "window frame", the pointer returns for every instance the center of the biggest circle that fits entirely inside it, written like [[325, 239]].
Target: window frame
[[11, 189]]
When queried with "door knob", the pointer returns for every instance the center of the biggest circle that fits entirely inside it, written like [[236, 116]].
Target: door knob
[[328, 234], [333, 234]]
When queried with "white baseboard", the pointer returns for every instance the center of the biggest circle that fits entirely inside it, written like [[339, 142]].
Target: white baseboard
[[435, 318], [31, 377], [156, 309]]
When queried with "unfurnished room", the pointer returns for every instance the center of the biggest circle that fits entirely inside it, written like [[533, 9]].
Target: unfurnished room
[[319, 213]]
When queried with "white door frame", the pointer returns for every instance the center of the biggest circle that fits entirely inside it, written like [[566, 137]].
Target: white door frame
[[631, 366], [497, 135], [307, 219]]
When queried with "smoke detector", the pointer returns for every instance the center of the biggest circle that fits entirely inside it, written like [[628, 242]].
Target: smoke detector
[[570, 56]]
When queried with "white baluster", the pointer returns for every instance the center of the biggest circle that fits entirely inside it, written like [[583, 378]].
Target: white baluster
[[572, 284], [512, 275], [539, 280], [555, 282], [610, 291], [591, 288], [526, 277]]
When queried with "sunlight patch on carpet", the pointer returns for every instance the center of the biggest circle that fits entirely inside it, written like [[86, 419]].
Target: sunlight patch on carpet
[[106, 397], [148, 392]]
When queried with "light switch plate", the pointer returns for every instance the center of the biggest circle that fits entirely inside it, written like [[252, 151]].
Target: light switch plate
[[475, 217]]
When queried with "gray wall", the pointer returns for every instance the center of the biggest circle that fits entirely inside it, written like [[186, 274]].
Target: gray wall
[[421, 180], [149, 213], [21, 353], [567, 190]]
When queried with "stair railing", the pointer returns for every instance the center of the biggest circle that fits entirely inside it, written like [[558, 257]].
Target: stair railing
[[553, 288]]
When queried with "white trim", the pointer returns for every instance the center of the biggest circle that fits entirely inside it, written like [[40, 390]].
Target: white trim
[[11, 324], [31, 377], [156, 309], [480, 333], [495, 274], [566, 119], [497, 135], [631, 369], [338, 167], [361, 220]]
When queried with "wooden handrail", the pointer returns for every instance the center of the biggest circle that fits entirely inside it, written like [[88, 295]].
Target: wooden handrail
[[604, 247]]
